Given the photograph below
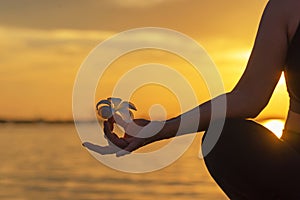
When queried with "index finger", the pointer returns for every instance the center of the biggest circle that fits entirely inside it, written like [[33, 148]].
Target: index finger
[[113, 138]]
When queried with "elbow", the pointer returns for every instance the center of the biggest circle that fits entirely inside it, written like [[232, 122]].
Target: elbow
[[253, 114], [258, 111], [257, 105], [243, 106], [253, 109]]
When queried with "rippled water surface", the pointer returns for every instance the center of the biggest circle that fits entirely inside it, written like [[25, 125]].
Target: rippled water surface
[[47, 161]]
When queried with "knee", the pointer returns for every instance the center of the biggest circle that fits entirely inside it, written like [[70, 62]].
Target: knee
[[226, 126], [221, 140]]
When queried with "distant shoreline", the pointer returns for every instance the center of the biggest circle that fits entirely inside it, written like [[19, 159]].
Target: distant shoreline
[[42, 121], [3, 121]]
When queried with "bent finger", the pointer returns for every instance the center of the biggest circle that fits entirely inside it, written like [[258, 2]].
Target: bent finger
[[111, 122], [113, 138]]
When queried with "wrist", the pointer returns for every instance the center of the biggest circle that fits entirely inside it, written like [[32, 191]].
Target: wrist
[[169, 130]]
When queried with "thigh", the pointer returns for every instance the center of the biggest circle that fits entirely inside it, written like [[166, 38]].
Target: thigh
[[249, 161]]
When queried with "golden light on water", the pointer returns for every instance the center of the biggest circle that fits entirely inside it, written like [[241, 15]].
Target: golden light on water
[[275, 125]]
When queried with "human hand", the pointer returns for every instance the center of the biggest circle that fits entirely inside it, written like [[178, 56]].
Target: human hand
[[136, 135]]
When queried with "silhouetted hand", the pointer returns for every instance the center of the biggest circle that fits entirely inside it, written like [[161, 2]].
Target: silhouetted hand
[[121, 145]]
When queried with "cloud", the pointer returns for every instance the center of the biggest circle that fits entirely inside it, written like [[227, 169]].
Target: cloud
[[30, 45], [57, 34]]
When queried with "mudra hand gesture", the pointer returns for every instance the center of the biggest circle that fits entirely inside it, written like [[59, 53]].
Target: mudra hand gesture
[[136, 134]]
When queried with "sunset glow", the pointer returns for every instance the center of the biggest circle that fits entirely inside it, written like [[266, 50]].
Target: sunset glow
[[275, 125], [41, 55]]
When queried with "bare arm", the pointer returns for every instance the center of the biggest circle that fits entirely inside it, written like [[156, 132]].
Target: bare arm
[[255, 87]]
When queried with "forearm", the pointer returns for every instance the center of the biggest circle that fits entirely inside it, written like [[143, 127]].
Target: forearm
[[194, 120], [198, 118]]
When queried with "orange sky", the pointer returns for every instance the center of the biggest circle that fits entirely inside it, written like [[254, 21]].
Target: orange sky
[[44, 43]]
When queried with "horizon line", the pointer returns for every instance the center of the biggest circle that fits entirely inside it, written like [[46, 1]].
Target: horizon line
[[69, 121]]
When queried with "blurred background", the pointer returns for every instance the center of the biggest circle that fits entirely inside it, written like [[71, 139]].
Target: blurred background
[[43, 44]]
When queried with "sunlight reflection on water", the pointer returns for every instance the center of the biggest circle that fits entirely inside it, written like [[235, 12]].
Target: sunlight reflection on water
[[40, 161]]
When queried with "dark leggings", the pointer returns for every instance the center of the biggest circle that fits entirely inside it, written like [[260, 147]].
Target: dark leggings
[[250, 162]]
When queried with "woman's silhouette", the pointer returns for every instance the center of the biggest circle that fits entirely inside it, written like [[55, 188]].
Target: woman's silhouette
[[248, 161]]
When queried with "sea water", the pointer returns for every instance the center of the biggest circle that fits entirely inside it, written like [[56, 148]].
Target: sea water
[[47, 161]]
